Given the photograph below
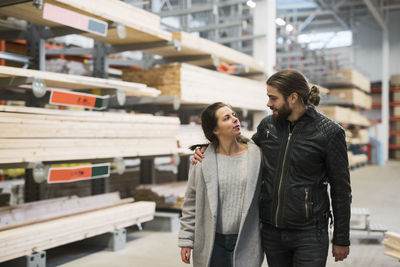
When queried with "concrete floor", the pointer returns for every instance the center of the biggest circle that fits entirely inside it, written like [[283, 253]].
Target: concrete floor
[[376, 188]]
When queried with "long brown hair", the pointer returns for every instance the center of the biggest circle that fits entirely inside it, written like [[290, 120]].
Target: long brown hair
[[209, 122], [292, 81]]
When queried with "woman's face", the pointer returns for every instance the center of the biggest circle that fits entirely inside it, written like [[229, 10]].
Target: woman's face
[[228, 124]]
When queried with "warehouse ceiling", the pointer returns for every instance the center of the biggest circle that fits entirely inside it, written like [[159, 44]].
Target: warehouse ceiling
[[334, 15]]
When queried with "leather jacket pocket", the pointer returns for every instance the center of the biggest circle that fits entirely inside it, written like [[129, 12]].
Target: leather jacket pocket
[[308, 204]]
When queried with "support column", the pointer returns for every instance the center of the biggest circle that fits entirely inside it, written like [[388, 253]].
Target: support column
[[385, 96], [264, 49], [35, 47]]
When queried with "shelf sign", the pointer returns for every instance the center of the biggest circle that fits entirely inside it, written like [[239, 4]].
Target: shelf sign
[[76, 99], [74, 19], [74, 174]]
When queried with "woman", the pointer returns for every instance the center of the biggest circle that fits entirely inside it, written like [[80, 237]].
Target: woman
[[220, 216]]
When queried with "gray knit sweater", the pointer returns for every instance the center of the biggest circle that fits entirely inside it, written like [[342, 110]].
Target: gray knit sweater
[[232, 179]]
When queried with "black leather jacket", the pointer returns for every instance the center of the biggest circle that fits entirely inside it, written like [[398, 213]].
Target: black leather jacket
[[299, 162]]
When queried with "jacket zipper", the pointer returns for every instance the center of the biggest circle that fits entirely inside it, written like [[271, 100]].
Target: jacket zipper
[[281, 178], [306, 202]]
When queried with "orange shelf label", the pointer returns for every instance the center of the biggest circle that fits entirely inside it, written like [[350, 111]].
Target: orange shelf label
[[69, 98], [73, 174]]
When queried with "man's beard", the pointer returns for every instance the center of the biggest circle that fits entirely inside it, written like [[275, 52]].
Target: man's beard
[[282, 113]]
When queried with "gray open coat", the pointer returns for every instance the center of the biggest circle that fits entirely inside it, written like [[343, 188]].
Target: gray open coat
[[199, 212]]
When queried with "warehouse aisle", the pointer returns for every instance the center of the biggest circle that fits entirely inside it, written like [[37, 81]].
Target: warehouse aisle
[[376, 188]]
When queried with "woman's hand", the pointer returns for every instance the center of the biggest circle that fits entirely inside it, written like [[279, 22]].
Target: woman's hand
[[185, 255], [198, 155]]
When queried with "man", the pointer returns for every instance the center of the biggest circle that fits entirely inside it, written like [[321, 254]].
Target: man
[[303, 152]]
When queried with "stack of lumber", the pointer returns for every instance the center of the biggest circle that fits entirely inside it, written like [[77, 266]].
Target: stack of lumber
[[168, 195], [39, 211], [76, 82], [392, 244], [195, 85], [193, 134], [192, 45], [356, 159], [348, 78], [344, 115], [354, 96], [395, 80], [141, 26], [71, 227], [36, 134]]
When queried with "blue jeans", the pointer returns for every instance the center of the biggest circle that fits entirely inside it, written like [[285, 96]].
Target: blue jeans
[[222, 255], [295, 248]]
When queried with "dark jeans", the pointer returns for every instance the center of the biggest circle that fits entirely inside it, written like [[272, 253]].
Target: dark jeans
[[295, 248], [222, 255]]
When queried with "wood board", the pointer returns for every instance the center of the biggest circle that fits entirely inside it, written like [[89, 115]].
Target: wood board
[[192, 45], [344, 115], [27, 239], [142, 26], [36, 134], [77, 82], [39, 211], [195, 85], [168, 195], [392, 244], [345, 78], [354, 96]]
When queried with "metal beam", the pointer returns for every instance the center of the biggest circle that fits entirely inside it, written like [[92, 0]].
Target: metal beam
[[305, 13], [216, 26], [339, 19], [199, 8], [14, 57], [306, 22], [238, 38], [376, 14], [73, 51]]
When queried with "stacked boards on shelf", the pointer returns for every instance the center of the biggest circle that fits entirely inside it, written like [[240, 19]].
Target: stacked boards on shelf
[[392, 245], [77, 82], [141, 28], [36, 134], [167, 195], [195, 85], [56, 227], [395, 116]]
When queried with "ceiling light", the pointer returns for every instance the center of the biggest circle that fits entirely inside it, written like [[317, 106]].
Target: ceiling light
[[251, 3], [280, 22]]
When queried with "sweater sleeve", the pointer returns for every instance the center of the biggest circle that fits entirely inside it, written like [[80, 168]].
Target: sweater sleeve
[[187, 221], [339, 179]]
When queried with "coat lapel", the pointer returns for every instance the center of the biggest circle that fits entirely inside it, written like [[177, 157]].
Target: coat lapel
[[253, 169], [210, 172]]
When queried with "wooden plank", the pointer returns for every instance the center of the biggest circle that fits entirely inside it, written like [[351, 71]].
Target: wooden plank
[[77, 82], [354, 96], [192, 45], [142, 26], [41, 236], [344, 78], [197, 85], [41, 211], [168, 195]]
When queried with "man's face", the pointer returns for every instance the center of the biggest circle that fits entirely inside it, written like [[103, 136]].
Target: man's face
[[278, 104]]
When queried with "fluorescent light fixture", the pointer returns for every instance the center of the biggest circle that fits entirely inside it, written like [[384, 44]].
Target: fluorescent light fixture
[[280, 22], [289, 28], [251, 3]]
